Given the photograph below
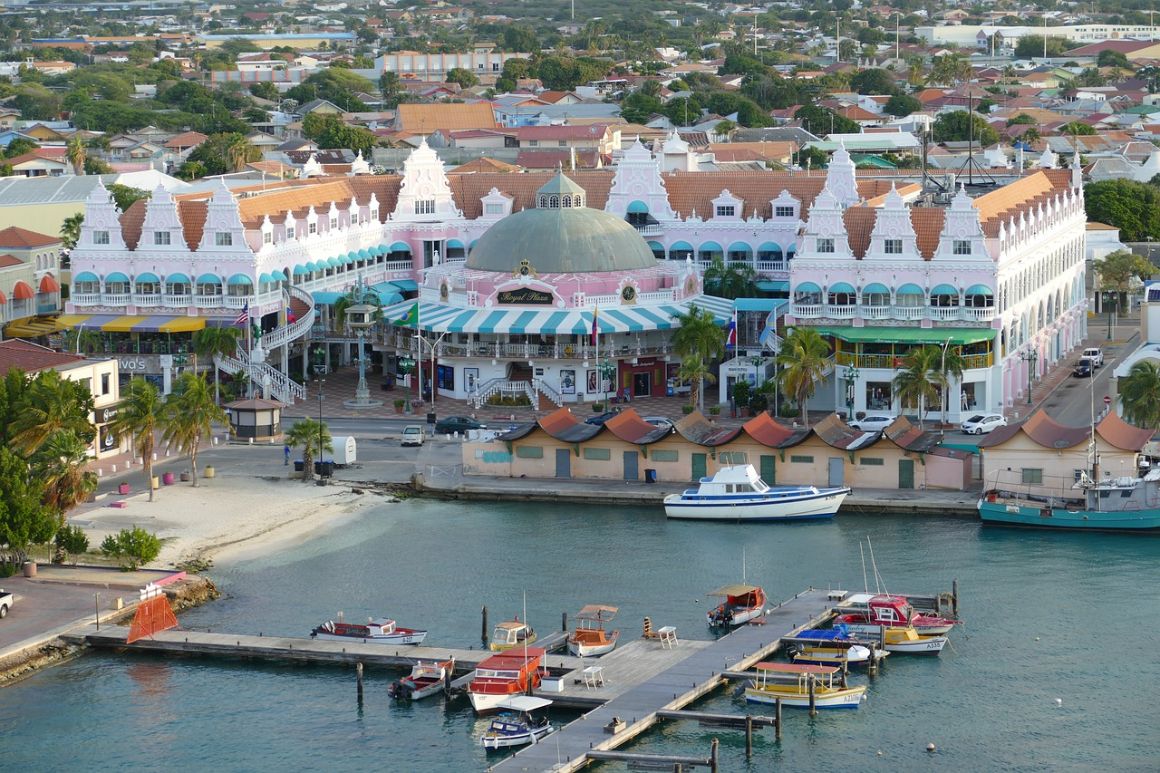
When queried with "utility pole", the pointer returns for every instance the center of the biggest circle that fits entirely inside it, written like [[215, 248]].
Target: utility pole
[[837, 38], [754, 33], [897, 21]]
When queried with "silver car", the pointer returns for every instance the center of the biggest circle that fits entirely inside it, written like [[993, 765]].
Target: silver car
[[873, 422], [982, 423]]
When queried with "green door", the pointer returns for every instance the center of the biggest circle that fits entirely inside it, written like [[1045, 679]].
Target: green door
[[769, 469], [698, 466], [905, 473]]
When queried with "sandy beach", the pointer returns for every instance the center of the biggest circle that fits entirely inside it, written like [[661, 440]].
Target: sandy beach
[[227, 517]]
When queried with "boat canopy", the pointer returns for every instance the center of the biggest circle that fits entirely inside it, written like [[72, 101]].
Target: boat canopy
[[597, 612], [734, 590], [511, 625], [796, 668], [525, 703]]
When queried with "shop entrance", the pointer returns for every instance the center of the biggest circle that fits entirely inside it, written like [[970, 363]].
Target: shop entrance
[[641, 384]]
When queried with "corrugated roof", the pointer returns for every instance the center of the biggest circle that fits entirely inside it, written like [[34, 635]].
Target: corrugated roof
[[697, 429], [1121, 434], [906, 435], [30, 357], [838, 434], [563, 425], [766, 430], [630, 427]]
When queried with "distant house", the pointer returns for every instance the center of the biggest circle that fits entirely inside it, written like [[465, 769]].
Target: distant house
[[42, 162], [425, 119]]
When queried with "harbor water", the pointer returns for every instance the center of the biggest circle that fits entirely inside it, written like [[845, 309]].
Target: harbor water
[[1054, 668]]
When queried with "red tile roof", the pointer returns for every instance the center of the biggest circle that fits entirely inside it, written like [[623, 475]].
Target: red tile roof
[[29, 357], [22, 238]]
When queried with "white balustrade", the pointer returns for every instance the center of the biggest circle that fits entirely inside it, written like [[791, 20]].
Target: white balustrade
[[876, 312], [909, 312], [147, 299], [944, 312], [840, 312], [207, 301], [176, 301], [86, 299], [116, 299], [979, 314], [807, 310]]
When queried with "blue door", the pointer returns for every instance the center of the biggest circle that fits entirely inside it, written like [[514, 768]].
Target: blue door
[[631, 465], [563, 463]]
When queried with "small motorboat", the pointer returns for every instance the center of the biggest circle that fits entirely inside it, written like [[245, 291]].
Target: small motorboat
[[836, 654], [866, 613], [894, 639], [381, 631], [518, 723], [742, 604], [737, 493], [590, 639], [510, 634], [503, 676], [791, 682], [427, 678]]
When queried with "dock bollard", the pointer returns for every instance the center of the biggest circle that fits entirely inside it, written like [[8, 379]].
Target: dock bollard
[[358, 671]]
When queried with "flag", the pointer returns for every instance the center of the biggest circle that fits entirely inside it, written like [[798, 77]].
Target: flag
[[592, 337], [243, 315], [731, 334], [412, 317]]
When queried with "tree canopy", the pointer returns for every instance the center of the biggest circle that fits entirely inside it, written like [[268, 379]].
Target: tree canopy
[[1132, 207], [873, 81], [902, 105], [1030, 46], [960, 126]]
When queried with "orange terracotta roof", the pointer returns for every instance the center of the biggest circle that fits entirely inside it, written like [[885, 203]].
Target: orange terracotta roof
[[1025, 193], [630, 427], [29, 357], [563, 425], [769, 432], [190, 211], [697, 429], [1121, 434], [484, 164], [8, 261], [838, 434], [927, 223], [22, 238], [425, 118], [189, 139]]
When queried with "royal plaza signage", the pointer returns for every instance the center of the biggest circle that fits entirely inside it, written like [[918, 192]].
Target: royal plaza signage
[[525, 296]]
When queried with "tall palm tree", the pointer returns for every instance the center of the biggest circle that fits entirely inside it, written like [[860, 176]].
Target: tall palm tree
[[70, 230], [1140, 394], [730, 281], [139, 416], [310, 436], [190, 412], [804, 361], [951, 366], [240, 152], [920, 379], [215, 343], [52, 404], [695, 372], [60, 465], [699, 339], [77, 154]]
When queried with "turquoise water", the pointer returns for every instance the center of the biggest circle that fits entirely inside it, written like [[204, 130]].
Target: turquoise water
[[1048, 616]]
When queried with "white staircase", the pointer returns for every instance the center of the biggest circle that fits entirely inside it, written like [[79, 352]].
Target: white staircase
[[500, 386], [549, 392], [282, 387]]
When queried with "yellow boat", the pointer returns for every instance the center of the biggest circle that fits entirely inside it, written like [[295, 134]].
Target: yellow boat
[[511, 634], [790, 683]]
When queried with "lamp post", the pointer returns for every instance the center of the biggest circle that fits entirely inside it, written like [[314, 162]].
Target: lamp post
[[406, 365], [434, 380], [321, 384], [851, 378], [1030, 357]]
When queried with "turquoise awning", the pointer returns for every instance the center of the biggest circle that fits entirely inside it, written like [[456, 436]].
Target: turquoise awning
[[979, 290], [85, 276], [406, 285], [638, 207], [944, 289], [807, 287], [325, 297], [768, 286], [301, 271], [177, 279], [842, 287], [117, 276], [875, 288], [757, 304], [148, 276], [239, 279], [910, 289], [399, 247], [209, 279]]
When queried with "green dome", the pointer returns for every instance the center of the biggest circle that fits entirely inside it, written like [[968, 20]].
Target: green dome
[[560, 241]]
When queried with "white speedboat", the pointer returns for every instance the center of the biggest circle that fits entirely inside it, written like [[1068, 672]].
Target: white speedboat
[[737, 493], [381, 631]]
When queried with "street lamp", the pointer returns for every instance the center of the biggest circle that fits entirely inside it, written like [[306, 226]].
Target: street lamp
[[1030, 357], [851, 378], [434, 380], [321, 384]]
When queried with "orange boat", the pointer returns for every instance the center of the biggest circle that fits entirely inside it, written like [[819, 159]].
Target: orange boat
[[590, 639], [503, 675]]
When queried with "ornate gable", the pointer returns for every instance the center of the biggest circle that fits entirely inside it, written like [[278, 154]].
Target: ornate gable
[[962, 233], [424, 194], [101, 217], [893, 235], [727, 206], [840, 178], [162, 228], [825, 233], [638, 179], [496, 205], [223, 231]]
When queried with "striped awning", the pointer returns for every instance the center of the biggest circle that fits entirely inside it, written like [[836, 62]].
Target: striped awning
[[182, 325], [123, 324], [438, 318]]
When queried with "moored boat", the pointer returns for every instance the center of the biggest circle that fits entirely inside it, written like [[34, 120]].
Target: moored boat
[[865, 613], [742, 604], [381, 631], [590, 639], [737, 493], [510, 634], [894, 639], [519, 724], [1127, 504], [835, 654], [427, 678], [504, 675], [790, 683]]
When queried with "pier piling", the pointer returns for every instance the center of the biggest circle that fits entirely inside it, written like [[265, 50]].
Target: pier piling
[[713, 756], [811, 685], [483, 626], [564, 622], [777, 719], [748, 737], [358, 675], [955, 597]]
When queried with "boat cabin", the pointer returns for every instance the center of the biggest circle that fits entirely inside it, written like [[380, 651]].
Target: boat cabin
[[780, 673], [737, 479], [511, 633], [374, 628]]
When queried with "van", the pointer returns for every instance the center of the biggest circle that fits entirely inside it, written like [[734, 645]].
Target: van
[[1094, 355], [412, 435]]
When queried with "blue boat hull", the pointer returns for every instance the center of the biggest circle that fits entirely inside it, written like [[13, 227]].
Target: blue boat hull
[[1009, 513]]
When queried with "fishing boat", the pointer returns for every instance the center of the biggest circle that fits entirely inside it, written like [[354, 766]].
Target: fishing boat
[[742, 604], [381, 631], [737, 493], [893, 639], [519, 724], [510, 634], [1127, 504], [503, 676], [790, 683], [834, 654], [427, 678], [590, 639], [867, 612]]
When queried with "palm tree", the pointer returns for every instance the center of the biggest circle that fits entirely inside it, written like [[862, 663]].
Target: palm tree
[[919, 380], [215, 343], [730, 281], [76, 154], [53, 404], [1140, 394], [695, 372], [189, 416], [139, 416], [60, 464], [698, 340], [804, 361], [240, 152], [70, 230], [951, 366], [310, 435]]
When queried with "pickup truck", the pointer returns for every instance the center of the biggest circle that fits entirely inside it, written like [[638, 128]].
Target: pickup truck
[[6, 602], [1093, 355]]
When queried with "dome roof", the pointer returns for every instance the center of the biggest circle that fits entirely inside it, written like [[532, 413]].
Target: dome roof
[[561, 238]]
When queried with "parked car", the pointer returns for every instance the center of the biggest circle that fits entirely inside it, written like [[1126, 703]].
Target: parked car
[[451, 424], [659, 421], [412, 435], [982, 423], [873, 422], [599, 419], [6, 602], [1082, 369], [1094, 355]]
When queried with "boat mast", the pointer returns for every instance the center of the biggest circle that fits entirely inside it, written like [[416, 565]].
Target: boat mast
[[862, 552], [879, 585], [1094, 458]]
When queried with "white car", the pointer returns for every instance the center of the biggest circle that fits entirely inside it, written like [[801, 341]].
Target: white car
[[873, 422], [412, 435], [982, 423], [660, 422]]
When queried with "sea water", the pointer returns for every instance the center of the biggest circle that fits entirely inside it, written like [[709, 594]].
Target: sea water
[[1055, 667]]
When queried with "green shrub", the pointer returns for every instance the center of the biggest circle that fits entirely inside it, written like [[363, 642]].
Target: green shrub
[[70, 541], [598, 407], [132, 547], [714, 410], [686, 409]]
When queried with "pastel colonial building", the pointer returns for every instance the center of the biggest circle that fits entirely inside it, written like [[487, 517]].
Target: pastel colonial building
[[999, 278]]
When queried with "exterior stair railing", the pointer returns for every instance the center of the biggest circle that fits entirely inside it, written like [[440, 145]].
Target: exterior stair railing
[[498, 386], [549, 391]]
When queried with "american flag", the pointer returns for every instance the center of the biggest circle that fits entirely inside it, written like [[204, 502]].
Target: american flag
[[243, 315]]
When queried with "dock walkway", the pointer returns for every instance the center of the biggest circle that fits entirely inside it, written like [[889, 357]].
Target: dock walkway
[[676, 686]]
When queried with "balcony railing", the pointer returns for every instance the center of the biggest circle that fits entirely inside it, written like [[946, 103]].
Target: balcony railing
[[770, 266], [146, 299], [876, 312], [944, 312], [236, 301], [648, 229], [177, 301], [840, 312], [887, 361], [207, 301], [979, 314], [807, 310], [909, 312], [116, 299], [86, 299]]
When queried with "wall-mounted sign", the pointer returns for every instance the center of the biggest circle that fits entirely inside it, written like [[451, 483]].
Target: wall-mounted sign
[[525, 296], [105, 415]]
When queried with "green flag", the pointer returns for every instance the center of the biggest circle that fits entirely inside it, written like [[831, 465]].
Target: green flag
[[412, 317]]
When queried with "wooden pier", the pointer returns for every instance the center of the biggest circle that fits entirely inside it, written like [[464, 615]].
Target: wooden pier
[[691, 670]]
